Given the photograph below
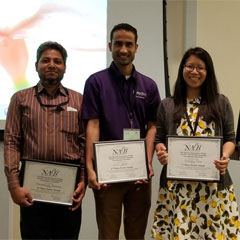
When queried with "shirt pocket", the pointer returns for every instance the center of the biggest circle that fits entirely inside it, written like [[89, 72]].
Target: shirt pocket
[[69, 122]]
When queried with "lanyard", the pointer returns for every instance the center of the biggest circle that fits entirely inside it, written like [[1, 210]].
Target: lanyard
[[193, 131], [129, 98], [52, 105]]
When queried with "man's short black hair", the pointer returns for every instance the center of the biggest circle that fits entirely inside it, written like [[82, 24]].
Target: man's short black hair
[[52, 45], [126, 27]]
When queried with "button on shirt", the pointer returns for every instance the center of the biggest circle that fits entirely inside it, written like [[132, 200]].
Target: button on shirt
[[45, 133], [104, 101]]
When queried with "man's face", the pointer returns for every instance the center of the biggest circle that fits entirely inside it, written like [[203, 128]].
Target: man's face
[[123, 47], [50, 67]]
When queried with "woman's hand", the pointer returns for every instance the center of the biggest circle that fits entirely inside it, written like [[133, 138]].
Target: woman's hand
[[162, 154], [222, 164]]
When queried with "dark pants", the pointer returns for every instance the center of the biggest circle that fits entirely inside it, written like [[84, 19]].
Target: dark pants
[[136, 202], [49, 221]]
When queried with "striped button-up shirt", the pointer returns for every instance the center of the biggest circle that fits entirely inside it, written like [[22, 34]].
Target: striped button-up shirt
[[35, 131]]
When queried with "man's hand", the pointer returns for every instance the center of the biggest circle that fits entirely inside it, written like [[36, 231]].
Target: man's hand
[[92, 135], [21, 196], [78, 195], [92, 181], [151, 174]]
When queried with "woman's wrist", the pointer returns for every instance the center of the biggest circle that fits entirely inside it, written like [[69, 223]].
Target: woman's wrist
[[226, 155]]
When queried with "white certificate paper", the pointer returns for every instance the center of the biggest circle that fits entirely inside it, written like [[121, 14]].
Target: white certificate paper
[[50, 182], [120, 161], [192, 158]]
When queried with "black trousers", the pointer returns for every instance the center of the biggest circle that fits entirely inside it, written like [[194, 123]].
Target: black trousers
[[49, 221]]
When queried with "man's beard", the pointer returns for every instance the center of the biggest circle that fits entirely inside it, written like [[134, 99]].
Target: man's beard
[[51, 81]]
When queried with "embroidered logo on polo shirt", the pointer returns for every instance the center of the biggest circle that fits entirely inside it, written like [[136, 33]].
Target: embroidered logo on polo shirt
[[142, 95]]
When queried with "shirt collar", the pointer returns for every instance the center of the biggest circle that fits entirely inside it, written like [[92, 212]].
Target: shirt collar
[[41, 88], [113, 68]]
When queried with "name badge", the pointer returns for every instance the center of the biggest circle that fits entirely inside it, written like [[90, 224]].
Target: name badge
[[131, 134]]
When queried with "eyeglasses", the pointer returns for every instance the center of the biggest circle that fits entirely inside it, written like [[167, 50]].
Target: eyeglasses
[[190, 68]]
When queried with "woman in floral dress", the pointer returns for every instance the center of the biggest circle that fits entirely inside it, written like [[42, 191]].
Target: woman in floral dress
[[196, 209]]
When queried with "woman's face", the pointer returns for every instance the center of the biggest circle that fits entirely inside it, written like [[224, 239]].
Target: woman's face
[[194, 73]]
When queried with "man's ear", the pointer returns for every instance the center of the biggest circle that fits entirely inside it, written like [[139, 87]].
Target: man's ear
[[136, 47], [110, 46]]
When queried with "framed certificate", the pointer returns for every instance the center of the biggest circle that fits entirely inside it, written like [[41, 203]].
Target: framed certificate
[[120, 161], [49, 181], [192, 158]]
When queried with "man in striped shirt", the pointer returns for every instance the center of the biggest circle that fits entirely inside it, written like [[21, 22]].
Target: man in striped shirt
[[44, 123]]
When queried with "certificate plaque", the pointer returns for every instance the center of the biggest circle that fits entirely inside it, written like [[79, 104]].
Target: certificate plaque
[[50, 182], [120, 161], [192, 158]]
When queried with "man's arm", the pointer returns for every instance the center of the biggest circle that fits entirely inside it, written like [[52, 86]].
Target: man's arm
[[150, 138], [154, 102], [92, 135], [12, 154], [78, 195], [21, 196]]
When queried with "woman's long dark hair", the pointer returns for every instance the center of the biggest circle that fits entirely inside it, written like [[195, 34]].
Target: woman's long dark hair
[[209, 108]]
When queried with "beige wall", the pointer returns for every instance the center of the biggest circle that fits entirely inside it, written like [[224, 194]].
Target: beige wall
[[218, 31], [213, 25], [175, 37]]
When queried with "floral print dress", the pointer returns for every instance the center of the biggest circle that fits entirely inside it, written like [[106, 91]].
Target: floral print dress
[[195, 210]]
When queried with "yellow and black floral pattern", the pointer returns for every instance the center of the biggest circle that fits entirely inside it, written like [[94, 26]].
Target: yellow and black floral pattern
[[196, 210]]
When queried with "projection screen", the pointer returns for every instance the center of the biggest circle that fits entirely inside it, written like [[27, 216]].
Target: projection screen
[[82, 27]]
